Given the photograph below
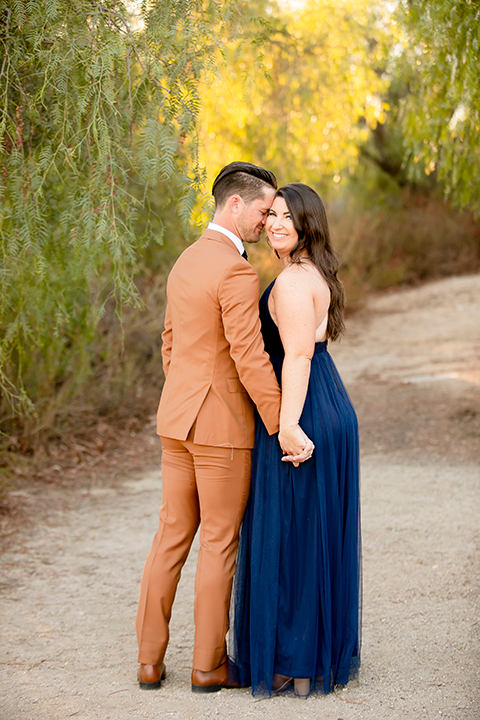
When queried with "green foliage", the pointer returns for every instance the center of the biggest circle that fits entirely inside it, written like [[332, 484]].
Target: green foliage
[[99, 108], [442, 108]]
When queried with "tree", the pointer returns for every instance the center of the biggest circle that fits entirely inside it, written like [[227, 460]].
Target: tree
[[441, 110], [307, 114], [99, 107]]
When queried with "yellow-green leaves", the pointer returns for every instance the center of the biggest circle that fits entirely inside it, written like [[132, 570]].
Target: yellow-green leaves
[[304, 110]]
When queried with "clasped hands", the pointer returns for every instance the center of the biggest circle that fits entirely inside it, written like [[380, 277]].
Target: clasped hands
[[295, 444]]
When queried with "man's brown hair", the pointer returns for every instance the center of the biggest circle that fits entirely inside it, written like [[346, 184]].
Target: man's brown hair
[[244, 179]]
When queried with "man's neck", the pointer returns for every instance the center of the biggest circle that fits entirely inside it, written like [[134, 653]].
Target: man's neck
[[225, 221], [228, 233]]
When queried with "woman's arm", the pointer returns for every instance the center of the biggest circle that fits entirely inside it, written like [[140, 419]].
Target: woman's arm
[[295, 315]]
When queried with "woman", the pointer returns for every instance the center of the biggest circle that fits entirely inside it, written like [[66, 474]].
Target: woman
[[297, 589]]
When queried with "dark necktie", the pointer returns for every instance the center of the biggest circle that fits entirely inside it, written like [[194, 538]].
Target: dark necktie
[[244, 255]]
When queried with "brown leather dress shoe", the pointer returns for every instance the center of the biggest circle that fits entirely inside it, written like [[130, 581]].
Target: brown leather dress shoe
[[151, 676], [213, 680]]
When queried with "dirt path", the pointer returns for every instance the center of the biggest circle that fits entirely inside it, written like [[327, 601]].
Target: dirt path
[[70, 578]]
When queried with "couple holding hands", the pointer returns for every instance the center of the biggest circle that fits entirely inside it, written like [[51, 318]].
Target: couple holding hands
[[296, 570]]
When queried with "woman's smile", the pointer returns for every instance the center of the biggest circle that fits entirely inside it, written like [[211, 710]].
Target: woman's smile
[[280, 229]]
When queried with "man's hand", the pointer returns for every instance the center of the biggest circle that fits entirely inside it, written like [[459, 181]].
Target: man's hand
[[295, 444]]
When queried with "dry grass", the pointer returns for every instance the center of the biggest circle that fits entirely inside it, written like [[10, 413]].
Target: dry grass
[[419, 238]]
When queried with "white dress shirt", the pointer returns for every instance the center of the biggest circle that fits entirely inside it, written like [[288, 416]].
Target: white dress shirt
[[234, 238]]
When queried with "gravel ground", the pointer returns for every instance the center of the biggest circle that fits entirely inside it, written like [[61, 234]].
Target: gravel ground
[[71, 569]]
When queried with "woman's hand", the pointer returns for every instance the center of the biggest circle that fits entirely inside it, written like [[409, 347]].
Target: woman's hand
[[295, 444]]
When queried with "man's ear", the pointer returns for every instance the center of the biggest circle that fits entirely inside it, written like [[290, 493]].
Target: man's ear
[[235, 203]]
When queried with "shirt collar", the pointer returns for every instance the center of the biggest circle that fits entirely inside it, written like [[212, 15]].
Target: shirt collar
[[234, 238]]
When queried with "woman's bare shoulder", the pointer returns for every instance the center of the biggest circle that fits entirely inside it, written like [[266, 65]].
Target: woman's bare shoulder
[[303, 276]]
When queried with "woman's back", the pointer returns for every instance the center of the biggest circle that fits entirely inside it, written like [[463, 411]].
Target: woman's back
[[301, 282]]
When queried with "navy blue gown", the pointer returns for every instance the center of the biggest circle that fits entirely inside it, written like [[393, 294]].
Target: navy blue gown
[[297, 592]]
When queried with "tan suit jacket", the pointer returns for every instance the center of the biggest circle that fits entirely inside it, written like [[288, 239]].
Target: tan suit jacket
[[214, 360]]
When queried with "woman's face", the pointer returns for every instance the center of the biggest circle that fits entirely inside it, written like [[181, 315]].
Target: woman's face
[[280, 230]]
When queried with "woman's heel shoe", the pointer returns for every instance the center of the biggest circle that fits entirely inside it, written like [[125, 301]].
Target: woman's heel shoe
[[302, 687], [280, 682]]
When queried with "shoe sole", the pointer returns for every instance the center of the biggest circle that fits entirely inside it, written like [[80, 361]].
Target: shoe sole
[[150, 686], [206, 688], [153, 685]]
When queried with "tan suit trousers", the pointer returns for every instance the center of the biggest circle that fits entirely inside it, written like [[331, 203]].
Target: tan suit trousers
[[203, 485]]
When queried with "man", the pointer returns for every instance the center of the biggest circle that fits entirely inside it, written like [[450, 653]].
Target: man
[[216, 368]]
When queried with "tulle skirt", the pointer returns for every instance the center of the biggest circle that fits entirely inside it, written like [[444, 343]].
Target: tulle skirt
[[296, 602]]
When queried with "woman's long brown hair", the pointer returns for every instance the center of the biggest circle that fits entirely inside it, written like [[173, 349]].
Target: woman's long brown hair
[[310, 221]]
